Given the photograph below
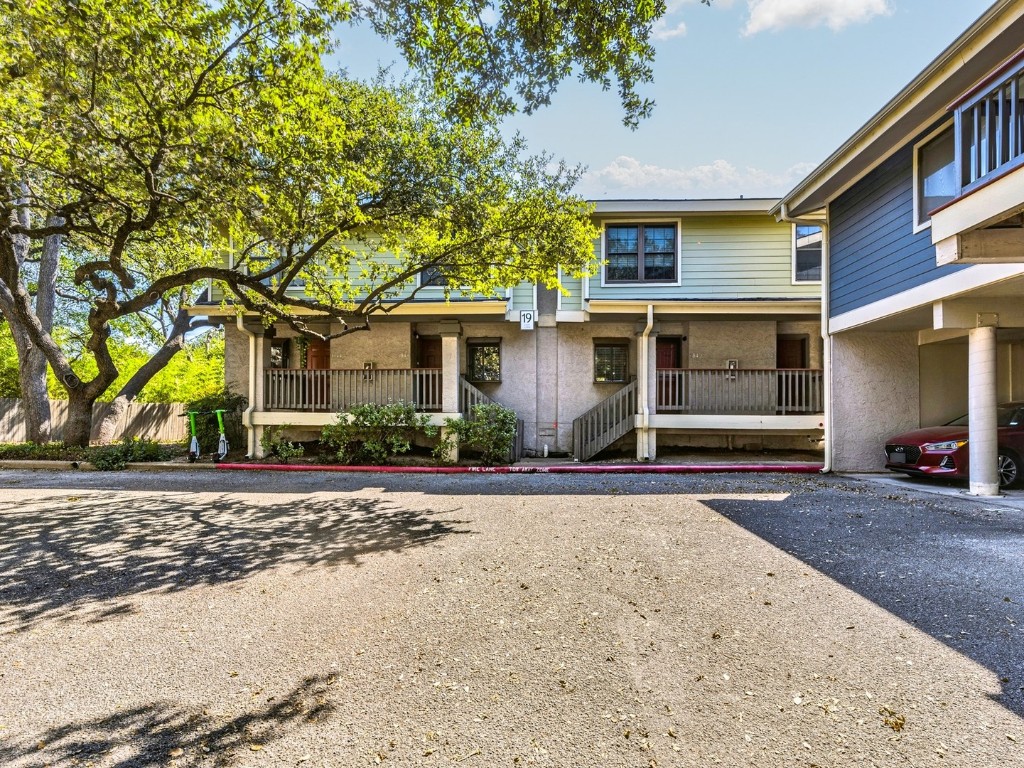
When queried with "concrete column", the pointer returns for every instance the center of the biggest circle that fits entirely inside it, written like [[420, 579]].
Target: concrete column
[[257, 396], [450, 372], [981, 404]]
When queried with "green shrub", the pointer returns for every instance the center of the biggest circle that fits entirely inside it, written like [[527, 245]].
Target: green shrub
[[372, 434], [43, 452], [118, 455], [206, 422], [490, 430], [274, 444]]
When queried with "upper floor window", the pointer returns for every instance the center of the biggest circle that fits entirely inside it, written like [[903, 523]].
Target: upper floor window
[[935, 181], [640, 253], [433, 276], [806, 254]]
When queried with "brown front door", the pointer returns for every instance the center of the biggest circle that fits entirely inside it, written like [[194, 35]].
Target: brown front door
[[791, 352], [318, 358], [428, 353], [790, 355], [668, 355], [318, 355]]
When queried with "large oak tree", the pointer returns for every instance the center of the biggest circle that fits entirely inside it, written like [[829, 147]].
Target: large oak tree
[[145, 141]]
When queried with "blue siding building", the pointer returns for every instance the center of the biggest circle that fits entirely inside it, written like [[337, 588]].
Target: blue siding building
[[924, 241]]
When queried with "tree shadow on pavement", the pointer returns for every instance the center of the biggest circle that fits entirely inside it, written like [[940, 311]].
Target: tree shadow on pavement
[[66, 556], [949, 568], [161, 733]]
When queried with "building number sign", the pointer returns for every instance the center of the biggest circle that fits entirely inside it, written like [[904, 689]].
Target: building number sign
[[526, 318]]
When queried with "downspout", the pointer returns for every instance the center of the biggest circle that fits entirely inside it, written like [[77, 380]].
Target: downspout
[[645, 419], [247, 413], [826, 336]]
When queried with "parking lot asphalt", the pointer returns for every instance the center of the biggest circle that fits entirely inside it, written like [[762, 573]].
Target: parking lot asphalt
[[258, 619]]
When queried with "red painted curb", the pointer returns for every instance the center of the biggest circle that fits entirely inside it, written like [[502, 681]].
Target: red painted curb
[[567, 469]]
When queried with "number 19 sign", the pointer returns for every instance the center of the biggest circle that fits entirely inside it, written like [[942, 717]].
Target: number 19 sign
[[526, 320]]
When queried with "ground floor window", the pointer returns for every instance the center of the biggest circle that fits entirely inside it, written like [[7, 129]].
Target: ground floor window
[[483, 360], [611, 361]]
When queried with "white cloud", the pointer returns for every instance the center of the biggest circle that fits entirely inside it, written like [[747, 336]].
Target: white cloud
[[774, 15], [627, 177], [662, 30]]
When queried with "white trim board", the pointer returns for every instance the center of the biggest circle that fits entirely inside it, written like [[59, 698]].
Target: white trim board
[[943, 288]]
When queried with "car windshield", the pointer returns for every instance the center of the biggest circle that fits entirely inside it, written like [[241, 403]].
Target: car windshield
[[1006, 416]]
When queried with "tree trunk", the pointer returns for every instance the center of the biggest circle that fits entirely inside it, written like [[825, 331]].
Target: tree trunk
[[175, 342], [108, 426], [35, 401], [78, 428]]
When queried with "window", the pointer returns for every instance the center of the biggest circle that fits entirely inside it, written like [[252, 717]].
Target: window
[[640, 253], [483, 360], [433, 276], [279, 353], [934, 175], [806, 254], [611, 361]]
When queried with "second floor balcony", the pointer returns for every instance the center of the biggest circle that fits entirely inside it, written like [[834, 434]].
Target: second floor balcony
[[967, 175]]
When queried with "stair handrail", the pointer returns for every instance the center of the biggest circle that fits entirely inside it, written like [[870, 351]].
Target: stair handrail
[[605, 423]]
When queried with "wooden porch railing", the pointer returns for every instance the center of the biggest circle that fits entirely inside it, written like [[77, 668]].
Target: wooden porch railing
[[337, 390], [714, 391], [605, 423], [470, 396]]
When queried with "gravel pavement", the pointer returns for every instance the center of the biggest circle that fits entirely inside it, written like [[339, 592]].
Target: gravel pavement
[[303, 619]]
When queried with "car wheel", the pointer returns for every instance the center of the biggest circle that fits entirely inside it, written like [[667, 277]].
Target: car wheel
[[1009, 469]]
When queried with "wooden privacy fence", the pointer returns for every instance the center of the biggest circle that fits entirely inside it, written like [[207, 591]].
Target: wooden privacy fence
[[157, 421]]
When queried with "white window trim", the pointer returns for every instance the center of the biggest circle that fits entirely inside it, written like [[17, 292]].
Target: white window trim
[[632, 284], [792, 259], [921, 227]]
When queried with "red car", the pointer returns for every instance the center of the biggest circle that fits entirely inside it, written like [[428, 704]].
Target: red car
[[943, 452]]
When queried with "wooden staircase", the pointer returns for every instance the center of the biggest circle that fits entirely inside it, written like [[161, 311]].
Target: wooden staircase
[[605, 423]]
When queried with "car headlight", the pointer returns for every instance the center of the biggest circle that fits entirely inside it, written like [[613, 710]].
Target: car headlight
[[949, 445]]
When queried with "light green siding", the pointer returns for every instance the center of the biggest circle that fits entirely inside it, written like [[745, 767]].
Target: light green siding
[[428, 293], [574, 301], [522, 296], [724, 257]]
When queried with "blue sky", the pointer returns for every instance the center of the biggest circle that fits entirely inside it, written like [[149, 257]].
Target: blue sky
[[751, 94]]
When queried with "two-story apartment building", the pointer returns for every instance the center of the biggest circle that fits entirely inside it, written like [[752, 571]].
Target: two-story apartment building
[[922, 297], [699, 327]]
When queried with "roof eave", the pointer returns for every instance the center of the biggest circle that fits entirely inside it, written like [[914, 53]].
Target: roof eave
[[966, 60]]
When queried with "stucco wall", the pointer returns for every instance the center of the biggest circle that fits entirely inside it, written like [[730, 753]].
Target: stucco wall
[[875, 395], [944, 378], [713, 343], [518, 386], [236, 359], [943, 382], [386, 345], [577, 391]]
